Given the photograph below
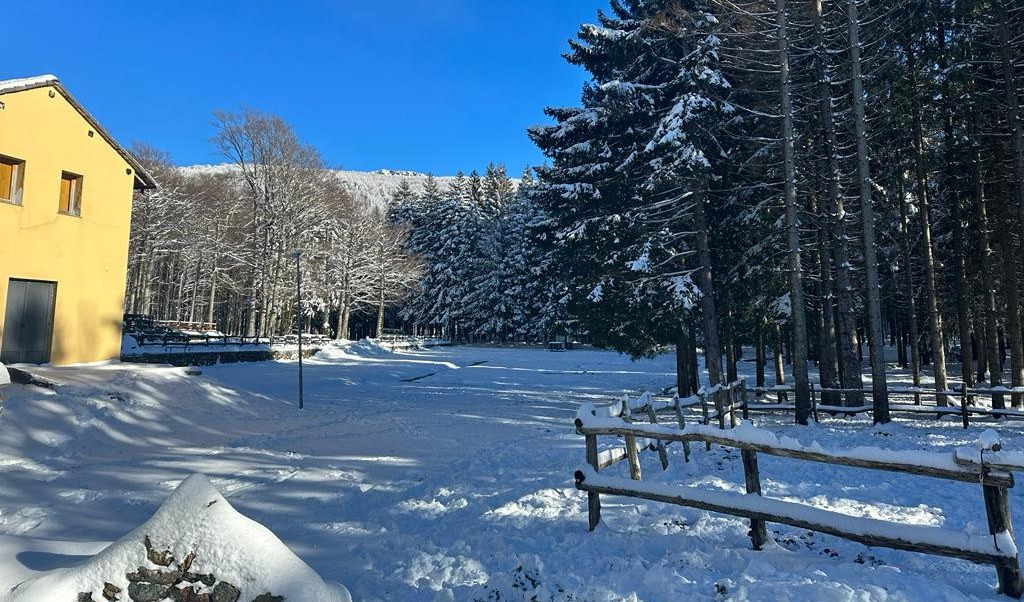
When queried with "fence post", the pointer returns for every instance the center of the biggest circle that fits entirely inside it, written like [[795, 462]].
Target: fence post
[[814, 402], [593, 498], [631, 451], [963, 405], [703, 397], [682, 426], [662, 453], [743, 391], [719, 406], [751, 474], [997, 508], [731, 396]]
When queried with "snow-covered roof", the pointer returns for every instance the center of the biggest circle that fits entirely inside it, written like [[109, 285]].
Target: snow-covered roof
[[25, 83], [143, 180]]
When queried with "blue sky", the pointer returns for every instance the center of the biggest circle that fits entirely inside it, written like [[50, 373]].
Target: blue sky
[[403, 84]]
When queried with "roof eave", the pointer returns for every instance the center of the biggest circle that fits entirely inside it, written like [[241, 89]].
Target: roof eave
[[143, 179]]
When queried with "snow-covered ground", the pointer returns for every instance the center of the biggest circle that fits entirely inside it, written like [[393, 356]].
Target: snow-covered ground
[[446, 474]]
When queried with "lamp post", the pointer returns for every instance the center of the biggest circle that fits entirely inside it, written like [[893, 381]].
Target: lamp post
[[297, 254]]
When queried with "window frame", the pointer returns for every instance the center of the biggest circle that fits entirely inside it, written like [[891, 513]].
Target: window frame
[[17, 191], [74, 194]]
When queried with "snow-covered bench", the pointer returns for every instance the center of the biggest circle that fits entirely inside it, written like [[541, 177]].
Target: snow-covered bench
[[986, 465]]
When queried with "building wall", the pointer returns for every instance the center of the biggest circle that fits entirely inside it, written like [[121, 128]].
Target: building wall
[[86, 256]]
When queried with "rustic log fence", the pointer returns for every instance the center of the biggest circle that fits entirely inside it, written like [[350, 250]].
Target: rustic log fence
[[987, 465], [961, 402]]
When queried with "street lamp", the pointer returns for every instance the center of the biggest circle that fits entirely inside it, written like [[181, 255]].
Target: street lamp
[[297, 255]]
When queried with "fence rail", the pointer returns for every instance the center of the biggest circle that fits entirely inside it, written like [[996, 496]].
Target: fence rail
[[188, 339], [959, 402], [986, 465]]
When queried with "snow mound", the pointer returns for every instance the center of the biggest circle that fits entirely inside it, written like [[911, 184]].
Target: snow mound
[[361, 348], [197, 522], [5, 376]]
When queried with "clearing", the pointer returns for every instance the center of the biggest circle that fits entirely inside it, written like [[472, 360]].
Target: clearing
[[446, 474]]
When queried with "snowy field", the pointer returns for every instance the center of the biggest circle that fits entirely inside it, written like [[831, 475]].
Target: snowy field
[[447, 475]]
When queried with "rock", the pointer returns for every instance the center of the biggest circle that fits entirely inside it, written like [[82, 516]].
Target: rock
[[85, 597], [147, 592], [225, 592], [205, 578], [186, 564], [144, 575], [111, 591], [191, 594], [157, 557], [268, 597]]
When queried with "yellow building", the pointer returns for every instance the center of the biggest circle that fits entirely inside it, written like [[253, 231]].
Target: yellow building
[[65, 214]]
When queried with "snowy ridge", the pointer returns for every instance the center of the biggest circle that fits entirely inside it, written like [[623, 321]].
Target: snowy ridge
[[194, 519], [375, 187]]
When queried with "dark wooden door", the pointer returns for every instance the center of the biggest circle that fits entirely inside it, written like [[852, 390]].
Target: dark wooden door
[[28, 322]]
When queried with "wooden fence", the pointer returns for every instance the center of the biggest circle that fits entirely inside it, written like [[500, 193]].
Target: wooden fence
[[961, 402], [190, 339], [988, 466]]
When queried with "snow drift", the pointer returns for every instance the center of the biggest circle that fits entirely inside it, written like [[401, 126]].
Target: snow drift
[[198, 534]]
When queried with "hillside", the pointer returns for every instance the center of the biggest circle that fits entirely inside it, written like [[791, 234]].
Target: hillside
[[376, 187]]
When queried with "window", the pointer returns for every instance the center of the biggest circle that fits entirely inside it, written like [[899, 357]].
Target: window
[[70, 194], [12, 178]]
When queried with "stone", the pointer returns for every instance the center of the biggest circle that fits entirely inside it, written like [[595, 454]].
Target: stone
[[85, 597], [148, 592], [144, 575], [186, 564], [225, 592], [205, 578], [268, 597], [157, 557], [191, 594], [111, 591]]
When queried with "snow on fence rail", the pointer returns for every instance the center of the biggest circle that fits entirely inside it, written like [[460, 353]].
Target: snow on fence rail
[[958, 402], [987, 465]]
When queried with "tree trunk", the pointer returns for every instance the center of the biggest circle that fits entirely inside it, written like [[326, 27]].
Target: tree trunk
[[879, 390], [1008, 251], [1013, 113], [993, 360], [713, 350], [827, 366], [911, 299], [759, 358], [927, 249], [730, 343], [798, 319], [682, 364], [211, 308], [780, 371], [850, 370]]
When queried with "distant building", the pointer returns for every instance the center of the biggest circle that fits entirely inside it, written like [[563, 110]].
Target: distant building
[[65, 214]]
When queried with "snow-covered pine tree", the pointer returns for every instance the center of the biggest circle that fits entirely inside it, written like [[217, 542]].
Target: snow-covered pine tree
[[631, 171]]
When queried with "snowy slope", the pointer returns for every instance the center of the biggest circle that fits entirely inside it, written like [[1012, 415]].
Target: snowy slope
[[446, 474], [376, 187]]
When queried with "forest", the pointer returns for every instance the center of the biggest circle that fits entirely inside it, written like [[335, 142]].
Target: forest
[[816, 180]]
